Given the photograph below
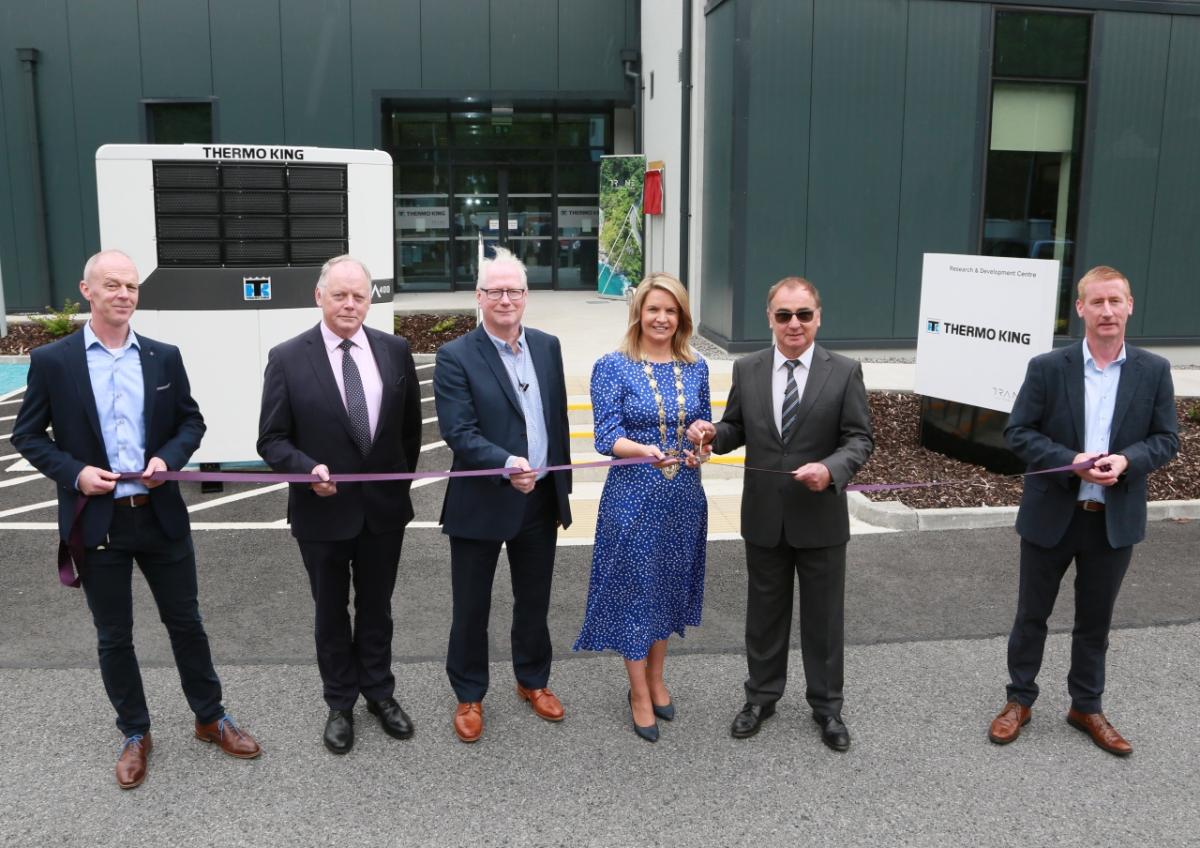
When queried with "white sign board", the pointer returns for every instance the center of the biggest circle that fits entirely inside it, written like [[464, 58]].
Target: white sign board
[[982, 319], [422, 218], [582, 218]]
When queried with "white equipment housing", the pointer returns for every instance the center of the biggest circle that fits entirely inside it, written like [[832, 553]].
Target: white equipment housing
[[229, 241]]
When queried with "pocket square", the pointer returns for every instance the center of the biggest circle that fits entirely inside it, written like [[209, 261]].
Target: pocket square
[[163, 388]]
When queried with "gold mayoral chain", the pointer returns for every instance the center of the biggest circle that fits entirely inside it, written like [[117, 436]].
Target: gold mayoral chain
[[669, 471]]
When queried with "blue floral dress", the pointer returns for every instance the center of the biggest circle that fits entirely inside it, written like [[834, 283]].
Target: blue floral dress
[[648, 561]]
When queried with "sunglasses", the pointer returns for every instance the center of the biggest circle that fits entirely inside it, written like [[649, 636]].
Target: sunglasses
[[783, 316]]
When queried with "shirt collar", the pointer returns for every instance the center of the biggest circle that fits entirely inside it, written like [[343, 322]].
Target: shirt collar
[[805, 358], [333, 340], [502, 345], [90, 338], [1090, 360]]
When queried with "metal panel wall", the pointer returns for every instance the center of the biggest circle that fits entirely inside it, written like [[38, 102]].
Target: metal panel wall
[[247, 76], [1121, 177], [176, 58], [318, 102], [777, 170], [106, 77], [854, 185], [524, 44], [387, 55], [455, 36], [720, 279], [591, 36], [1172, 306], [945, 100]]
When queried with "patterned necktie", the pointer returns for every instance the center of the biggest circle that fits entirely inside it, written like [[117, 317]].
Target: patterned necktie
[[791, 400], [356, 399]]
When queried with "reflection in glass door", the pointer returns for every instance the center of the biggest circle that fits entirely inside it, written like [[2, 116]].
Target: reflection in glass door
[[529, 221]]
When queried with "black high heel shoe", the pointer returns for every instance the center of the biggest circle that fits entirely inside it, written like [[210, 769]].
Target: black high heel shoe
[[666, 712], [650, 732]]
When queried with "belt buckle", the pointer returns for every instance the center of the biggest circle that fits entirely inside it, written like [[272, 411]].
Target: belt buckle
[[1091, 506]]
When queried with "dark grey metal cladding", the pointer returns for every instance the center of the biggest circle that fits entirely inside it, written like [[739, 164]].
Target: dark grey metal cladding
[[195, 289]]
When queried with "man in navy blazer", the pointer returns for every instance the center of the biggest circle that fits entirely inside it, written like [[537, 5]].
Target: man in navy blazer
[[121, 402], [345, 397], [502, 402], [1102, 400]]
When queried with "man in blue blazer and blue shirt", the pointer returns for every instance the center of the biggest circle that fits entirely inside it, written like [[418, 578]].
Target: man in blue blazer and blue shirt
[[1105, 400], [502, 403], [121, 402]]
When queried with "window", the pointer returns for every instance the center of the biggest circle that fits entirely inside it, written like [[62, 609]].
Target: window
[[179, 123], [1031, 192]]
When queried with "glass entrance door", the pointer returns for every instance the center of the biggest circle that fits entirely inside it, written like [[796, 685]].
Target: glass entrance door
[[510, 207]]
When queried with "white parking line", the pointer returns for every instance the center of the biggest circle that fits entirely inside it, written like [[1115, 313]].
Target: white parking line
[[432, 446], [425, 383], [29, 508], [10, 402], [12, 394], [7, 417], [10, 456], [426, 365], [4, 484], [429, 420], [240, 496], [426, 400]]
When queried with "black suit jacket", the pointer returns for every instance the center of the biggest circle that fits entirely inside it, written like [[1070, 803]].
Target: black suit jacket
[[1046, 430], [481, 420], [59, 395], [304, 423], [833, 426]]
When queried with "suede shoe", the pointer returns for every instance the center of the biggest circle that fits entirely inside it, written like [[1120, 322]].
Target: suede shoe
[[747, 722], [230, 738], [339, 731], [394, 721], [1103, 734], [833, 731], [544, 702], [468, 721], [1006, 726], [131, 762]]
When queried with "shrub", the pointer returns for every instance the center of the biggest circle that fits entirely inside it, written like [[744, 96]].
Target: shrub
[[59, 322]]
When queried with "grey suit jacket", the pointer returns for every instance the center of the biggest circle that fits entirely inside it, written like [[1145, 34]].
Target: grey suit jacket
[[833, 427], [1046, 430]]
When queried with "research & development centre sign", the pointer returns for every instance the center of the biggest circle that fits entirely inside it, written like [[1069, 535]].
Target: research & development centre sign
[[982, 319]]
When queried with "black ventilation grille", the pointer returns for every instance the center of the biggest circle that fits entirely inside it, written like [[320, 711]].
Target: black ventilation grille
[[213, 214]]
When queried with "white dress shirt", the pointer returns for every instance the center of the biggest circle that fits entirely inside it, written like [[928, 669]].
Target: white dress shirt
[[779, 378]]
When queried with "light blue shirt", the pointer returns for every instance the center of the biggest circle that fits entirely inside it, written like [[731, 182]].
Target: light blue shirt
[[120, 403], [1099, 402], [523, 375]]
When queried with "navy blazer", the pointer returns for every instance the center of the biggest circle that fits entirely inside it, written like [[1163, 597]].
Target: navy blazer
[[1046, 429], [482, 421], [303, 423], [59, 395]]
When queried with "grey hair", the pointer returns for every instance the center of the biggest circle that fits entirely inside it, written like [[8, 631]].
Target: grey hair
[[503, 257], [95, 258], [338, 260]]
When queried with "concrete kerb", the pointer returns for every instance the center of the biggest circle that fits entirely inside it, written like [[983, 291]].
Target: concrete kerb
[[896, 516]]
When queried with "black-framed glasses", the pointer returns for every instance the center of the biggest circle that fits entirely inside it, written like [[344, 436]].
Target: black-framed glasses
[[514, 295], [783, 316]]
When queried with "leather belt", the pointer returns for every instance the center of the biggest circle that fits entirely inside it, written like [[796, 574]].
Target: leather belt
[[1092, 506], [132, 501]]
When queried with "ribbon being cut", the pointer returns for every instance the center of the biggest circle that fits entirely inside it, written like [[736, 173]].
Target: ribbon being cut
[[70, 552]]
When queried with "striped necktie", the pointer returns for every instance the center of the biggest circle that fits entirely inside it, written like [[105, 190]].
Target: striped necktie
[[791, 401], [356, 399]]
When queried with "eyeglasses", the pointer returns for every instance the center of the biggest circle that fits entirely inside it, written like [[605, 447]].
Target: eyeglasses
[[515, 295], [783, 316]]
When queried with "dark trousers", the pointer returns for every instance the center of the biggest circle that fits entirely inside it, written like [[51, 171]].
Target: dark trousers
[[821, 574], [354, 658], [1099, 570], [472, 570], [169, 566]]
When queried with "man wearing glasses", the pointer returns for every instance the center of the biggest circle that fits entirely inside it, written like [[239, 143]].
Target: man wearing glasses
[[502, 403], [800, 411]]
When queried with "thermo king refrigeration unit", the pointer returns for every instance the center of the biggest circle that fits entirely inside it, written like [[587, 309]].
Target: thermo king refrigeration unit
[[229, 241]]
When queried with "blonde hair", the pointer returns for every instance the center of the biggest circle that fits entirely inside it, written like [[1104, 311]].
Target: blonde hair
[[631, 345], [1098, 275]]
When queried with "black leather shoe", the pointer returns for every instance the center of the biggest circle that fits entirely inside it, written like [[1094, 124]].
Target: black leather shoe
[[394, 721], [665, 712], [649, 732], [833, 732], [339, 731], [747, 722]]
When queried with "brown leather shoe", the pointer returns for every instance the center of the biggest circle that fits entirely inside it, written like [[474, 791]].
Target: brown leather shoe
[[544, 702], [468, 721], [1007, 725], [131, 763], [229, 738], [1103, 734]]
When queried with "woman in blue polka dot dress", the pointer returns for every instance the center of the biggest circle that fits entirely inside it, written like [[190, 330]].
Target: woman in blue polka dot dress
[[647, 577]]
